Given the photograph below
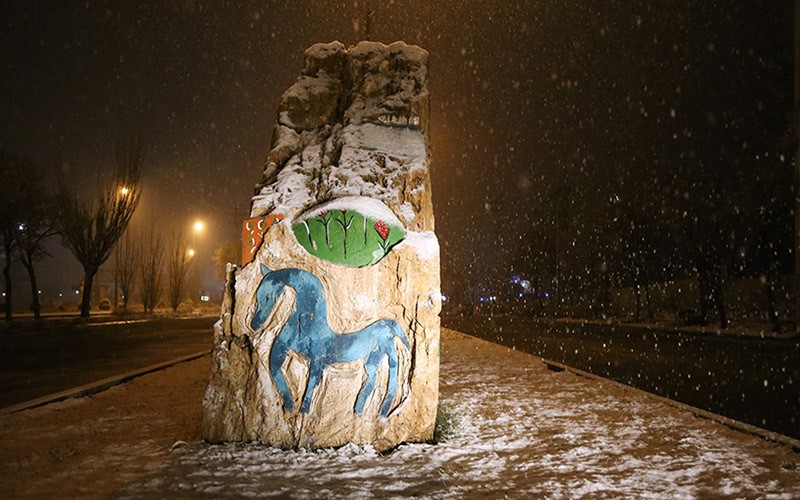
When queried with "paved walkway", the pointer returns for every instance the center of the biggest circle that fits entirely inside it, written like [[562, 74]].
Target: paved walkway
[[515, 429]]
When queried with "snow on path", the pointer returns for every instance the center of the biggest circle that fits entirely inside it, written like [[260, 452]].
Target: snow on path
[[518, 430]]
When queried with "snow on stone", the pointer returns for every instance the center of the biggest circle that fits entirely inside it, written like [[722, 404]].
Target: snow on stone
[[366, 50], [373, 148], [424, 243], [432, 299], [371, 55], [323, 50], [375, 160], [407, 211], [292, 192], [405, 144], [368, 207]]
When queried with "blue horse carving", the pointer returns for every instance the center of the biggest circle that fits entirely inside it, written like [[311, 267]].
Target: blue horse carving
[[306, 332]]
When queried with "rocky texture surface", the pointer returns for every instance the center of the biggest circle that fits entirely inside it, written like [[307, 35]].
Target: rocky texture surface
[[354, 124], [316, 348]]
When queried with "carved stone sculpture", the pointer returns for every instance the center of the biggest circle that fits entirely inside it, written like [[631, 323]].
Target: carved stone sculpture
[[330, 329]]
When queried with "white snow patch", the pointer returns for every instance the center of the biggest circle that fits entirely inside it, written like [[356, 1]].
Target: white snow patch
[[368, 207], [374, 163], [407, 211], [400, 142], [424, 243], [402, 50], [434, 298], [291, 191], [285, 137], [323, 50]]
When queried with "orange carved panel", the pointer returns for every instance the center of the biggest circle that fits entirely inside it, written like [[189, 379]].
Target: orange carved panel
[[253, 231]]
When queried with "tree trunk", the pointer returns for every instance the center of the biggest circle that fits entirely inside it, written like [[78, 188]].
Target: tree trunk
[[116, 279], [37, 308], [7, 277], [86, 300]]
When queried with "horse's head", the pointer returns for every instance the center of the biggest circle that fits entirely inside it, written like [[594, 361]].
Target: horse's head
[[267, 294]]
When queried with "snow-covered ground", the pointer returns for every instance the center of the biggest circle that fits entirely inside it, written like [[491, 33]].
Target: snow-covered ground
[[517, 429]]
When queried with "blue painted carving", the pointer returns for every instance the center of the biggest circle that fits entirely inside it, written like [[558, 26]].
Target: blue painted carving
[[306, 332]]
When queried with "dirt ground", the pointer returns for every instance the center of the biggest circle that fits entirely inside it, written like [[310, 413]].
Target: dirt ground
[[515, 429], [89, 447]]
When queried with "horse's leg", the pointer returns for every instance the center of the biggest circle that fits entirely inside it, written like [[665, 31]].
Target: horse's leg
[[314, 376], [371, 365], [276, 359], [391, 388]]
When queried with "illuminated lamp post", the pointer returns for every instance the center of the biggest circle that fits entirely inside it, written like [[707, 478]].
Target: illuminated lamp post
[[123, 191], [198, 227]]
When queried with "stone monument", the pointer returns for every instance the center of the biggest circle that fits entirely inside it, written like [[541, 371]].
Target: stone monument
[[329, 331]]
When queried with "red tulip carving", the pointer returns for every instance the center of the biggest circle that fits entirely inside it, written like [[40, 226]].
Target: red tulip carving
[[383, 229]]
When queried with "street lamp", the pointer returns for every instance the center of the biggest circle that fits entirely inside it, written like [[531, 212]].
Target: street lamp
[[124, 190], [197, 228]]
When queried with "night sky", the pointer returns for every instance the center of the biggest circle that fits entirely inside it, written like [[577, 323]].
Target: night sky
[[551, 116]]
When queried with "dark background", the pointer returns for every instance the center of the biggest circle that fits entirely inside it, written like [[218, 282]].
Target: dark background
[[564, 131]]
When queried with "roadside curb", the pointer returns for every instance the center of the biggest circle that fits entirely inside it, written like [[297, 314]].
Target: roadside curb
[[99, 386], [28, 325], [698, 412]]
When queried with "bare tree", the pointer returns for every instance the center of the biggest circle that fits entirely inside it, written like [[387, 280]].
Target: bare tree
[[126, 260], [152, 265], [90, 230], [177, 268], [38, 224], [10, 206], [19, 183]]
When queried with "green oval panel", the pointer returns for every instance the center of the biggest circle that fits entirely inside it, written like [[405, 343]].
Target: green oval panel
[[347, 237]]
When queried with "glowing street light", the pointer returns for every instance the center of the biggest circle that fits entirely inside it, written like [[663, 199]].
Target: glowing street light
[[197, 228], [124, 190]]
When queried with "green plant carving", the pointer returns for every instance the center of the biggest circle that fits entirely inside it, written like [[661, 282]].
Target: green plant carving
[[347, 237]]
